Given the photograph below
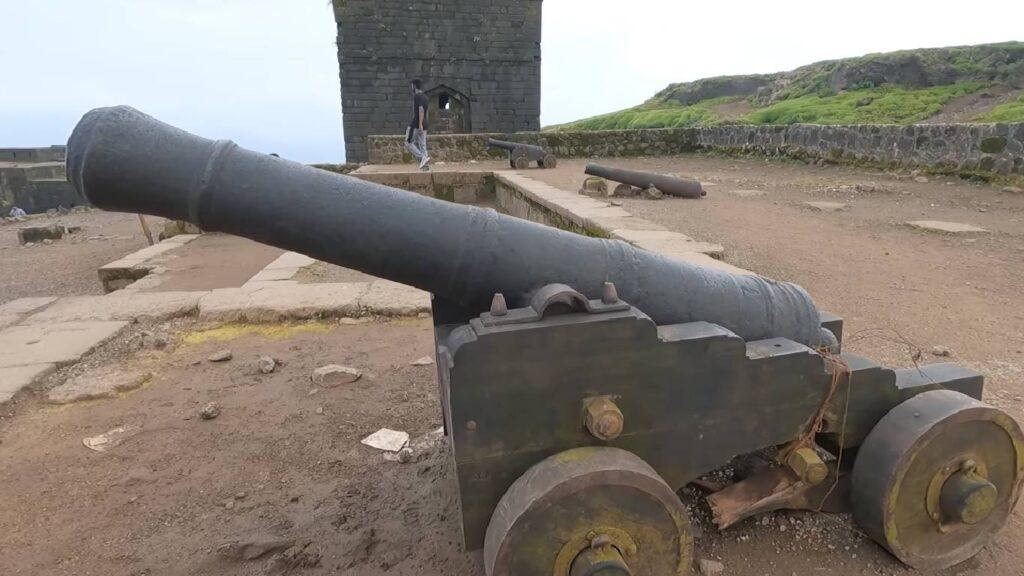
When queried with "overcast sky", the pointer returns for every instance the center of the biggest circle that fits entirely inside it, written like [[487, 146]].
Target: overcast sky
[[265, 74]]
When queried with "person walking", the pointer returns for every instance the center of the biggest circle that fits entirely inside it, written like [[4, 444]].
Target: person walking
[[416, 134]]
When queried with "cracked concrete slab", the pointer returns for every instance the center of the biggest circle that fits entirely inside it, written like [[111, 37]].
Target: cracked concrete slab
[[121, 305], [53, 343]]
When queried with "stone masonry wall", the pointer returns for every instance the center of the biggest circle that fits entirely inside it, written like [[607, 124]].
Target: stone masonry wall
[[482, 55], [953, 148]]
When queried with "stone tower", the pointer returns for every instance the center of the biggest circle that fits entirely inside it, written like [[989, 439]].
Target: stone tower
[[479, 61]]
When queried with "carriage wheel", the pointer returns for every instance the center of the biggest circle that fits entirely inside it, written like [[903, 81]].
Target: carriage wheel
[[589, 511], [937, 477]]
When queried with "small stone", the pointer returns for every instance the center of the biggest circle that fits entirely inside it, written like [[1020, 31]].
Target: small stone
[[335, 375], [594, 186], [405, 455], [615, 203], [1013, 190], [423, 315], [748, 193], [209, 411], [921, 179], [350, 321], [826, 206], [941, 351], [711, 567], [230, 504], [220, 356], [47, 241], [425, 361], [267, 364], [651, 193], [319, 409], [241, 496]]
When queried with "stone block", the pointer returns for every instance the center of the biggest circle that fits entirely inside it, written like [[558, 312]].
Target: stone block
[[122, 305], [13, 379], [946, 227]]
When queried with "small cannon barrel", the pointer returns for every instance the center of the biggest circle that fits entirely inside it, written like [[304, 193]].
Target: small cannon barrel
[[504, 145], [670, 185], [124, 160], [511, 146]]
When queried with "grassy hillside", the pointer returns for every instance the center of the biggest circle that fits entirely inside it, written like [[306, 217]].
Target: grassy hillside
[[893, 88]]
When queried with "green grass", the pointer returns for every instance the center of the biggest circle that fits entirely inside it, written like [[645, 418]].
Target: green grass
[[885, 105], [659, 115], [1012, 111]]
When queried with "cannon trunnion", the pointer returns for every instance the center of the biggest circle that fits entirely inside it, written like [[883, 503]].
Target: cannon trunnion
[[603, 378]]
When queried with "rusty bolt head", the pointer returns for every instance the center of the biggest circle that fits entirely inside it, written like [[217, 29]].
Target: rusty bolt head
[[604, 420]]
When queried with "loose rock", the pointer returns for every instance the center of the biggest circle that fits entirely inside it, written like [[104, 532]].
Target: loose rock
[[651, 193], [209, 411], [267, 364], [941, 351], [711, 567], [921, 179], [387, 440], [221, 356], [594, 186], [95, 385], [425, 361], [335, 375], [405, 455]]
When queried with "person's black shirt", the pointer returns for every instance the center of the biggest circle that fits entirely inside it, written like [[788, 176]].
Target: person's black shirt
[[420, 101]]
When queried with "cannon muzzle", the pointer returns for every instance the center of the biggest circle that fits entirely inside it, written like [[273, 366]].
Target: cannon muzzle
[[670, 185], [124, 160]]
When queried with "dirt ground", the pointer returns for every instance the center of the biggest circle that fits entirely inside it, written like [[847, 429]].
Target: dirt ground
[[68, 266], [281, 470]]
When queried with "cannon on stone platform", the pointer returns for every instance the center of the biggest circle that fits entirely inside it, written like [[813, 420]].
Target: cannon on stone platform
[[520, 155], [583, 381], [641, 181]]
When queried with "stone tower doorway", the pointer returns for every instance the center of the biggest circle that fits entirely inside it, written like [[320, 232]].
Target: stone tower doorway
[[449, 111]]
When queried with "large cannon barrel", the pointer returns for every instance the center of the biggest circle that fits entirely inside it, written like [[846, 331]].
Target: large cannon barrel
[[124, 160], [670, 185]]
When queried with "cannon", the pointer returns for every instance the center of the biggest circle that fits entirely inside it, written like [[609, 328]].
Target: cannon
[[670, 185], [584, 382], [520, 155]]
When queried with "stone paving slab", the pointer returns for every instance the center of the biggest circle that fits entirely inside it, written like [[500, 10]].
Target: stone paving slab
[[120, 273], [120, 305], [667, 243], [946, 227], [274, 302], [290, 260], [619, 224], [23, 306], [53, 343], [826, 206], [15, 378], [387, 298]]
